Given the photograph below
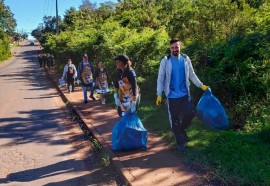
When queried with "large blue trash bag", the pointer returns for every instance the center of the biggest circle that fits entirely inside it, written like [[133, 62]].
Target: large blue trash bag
[[129, 133], [210, 111]]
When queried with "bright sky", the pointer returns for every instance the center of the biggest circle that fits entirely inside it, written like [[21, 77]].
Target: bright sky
[[29, 13]]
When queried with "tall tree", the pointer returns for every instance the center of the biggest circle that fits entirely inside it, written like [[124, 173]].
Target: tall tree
[[70, 17], [87, 6], [138, 14], [106, 10], [7, 21]]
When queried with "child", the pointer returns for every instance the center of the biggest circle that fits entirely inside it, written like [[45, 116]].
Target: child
[[102, 81], [70, 73]]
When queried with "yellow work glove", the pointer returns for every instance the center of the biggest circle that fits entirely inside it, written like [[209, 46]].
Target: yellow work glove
[[158, 101], [204, 87]]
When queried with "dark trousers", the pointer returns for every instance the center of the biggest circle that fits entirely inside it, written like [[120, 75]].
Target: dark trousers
[[70, 81], [180, 107]]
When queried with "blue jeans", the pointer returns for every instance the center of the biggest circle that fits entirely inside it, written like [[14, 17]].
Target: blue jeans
[[85, 88]]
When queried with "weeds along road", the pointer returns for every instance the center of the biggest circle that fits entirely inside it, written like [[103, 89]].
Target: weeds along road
[[39, 145]]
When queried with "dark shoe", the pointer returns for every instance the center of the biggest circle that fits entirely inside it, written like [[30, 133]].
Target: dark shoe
[[85, 101], [93, 98]]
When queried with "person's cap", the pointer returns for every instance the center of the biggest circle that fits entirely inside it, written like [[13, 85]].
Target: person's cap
[[85, 55], [123, 58]]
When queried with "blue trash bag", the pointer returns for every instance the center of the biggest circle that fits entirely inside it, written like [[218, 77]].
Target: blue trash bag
[[129, 133], [210, 111]]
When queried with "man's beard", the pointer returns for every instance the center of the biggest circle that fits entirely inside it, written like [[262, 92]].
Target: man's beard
[[175, 53]]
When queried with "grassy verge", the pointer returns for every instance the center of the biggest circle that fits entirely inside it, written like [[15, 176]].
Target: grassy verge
[[11, 54], [230, 157], [233, 158]]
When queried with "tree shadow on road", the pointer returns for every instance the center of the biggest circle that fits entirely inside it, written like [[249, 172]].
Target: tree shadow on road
[[32, 126], [61, 169]]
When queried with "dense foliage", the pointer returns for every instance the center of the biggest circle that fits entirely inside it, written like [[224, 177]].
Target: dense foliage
[[7, 21], [4, 46], [7, 27], [228, 42]]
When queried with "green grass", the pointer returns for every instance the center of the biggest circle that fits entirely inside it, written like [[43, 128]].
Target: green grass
[[106, 159], [232, 157], [11, 54]]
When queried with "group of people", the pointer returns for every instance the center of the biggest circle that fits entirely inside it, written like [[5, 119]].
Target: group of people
[[46, 60], [126, 89], [88, 77], [174, 74]]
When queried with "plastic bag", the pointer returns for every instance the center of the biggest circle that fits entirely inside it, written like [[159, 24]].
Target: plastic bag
[[210, 111], [129, 133], [62, 82], [102, 91]]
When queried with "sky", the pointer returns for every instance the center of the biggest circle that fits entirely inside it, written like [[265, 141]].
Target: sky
[[29, 13]]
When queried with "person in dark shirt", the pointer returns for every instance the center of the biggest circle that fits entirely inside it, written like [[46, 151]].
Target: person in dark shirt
[[40, 60], [126, 89]]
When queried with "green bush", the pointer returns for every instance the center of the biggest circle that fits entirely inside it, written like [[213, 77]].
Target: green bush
[[4, 46], [238, 72]]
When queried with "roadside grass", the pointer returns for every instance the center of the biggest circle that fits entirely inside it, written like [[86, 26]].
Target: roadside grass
[[106, 159], [14, 45], [11, 54], [231, 157]]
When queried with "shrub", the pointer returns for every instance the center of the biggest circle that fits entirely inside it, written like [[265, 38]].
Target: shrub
[[4, 46]]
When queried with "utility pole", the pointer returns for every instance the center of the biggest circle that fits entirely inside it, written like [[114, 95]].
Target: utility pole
[[57, 23]]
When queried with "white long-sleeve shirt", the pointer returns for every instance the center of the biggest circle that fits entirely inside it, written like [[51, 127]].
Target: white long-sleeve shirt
[[66, 70], [164, 75]]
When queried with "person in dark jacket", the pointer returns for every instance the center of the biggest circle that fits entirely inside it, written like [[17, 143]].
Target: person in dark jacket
[[40, 60], [126, 89]]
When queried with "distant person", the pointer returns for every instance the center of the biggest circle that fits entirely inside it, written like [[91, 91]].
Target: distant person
[[175, 71], [45, 60], [40, 60], [51, 61], [102, 80], [86, 73], [126, 89], [70, 74]]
